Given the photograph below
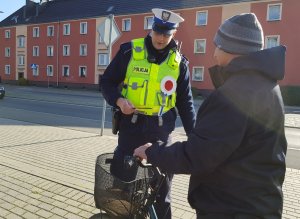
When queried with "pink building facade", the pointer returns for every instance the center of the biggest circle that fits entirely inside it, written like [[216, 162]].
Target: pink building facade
[[72, 53]]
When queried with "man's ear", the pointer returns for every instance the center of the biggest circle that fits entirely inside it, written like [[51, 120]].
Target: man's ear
[[174, 33]]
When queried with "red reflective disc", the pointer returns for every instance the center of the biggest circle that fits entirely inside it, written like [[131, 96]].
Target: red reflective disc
[[168, 85]]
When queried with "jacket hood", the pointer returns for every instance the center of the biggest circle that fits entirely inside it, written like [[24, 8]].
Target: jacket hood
[[269, 62]]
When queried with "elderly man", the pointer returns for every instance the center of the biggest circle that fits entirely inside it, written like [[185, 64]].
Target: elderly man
[[236, 152]]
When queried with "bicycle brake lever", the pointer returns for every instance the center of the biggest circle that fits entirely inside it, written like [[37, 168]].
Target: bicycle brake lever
[[145, 164]]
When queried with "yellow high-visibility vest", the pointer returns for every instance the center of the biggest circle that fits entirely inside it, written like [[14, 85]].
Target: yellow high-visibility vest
[[144, 81]]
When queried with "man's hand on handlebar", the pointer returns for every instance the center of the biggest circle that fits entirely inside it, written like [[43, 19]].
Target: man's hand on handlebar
[[140, 151]]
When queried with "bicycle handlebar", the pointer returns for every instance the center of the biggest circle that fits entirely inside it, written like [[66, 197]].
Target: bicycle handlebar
[[131, 161]]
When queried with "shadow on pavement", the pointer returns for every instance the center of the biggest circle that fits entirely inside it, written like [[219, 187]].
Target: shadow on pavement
[[100, 216]]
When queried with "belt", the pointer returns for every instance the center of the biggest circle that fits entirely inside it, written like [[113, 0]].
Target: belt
[[145, 114], [135, 117]]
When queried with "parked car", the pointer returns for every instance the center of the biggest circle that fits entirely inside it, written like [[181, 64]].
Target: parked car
[[2, 92]]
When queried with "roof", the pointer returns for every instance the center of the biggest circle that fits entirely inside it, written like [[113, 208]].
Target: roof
[[59, 10]]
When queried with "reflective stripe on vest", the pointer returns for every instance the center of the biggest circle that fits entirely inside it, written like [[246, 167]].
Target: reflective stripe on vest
[[142, 84]]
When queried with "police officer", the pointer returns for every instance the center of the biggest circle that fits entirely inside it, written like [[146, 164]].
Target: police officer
[[155, 80]]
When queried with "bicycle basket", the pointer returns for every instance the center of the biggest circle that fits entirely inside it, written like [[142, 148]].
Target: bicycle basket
[[118, 198]]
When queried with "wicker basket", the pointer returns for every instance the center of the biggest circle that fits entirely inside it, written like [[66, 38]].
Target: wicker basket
[[117, 198]]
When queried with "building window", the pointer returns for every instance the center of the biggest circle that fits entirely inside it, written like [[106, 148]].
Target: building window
[[83, 27], [7, 51], [66, 50], [66, 71], [201, 18], [198, 73], [82, 71], [199, 45], [272, 41], [274, 12], [21, 41], [35, 71], [67, 29], [101, 40], [50, 31], [148, 21], [83, 50], [49, 50], [50, 70], [21, 60], [7, 34], [7, 69], [36, 32], [126, 24], [103, 59], [35, 51]]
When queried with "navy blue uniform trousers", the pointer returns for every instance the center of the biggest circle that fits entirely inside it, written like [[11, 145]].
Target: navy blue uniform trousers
[[128, 141]]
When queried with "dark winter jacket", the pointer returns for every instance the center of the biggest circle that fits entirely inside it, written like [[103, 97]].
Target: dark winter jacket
[[115, 73], [236, 152]]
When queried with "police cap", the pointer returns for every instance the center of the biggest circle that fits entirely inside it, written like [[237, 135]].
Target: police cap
[[165, 21]]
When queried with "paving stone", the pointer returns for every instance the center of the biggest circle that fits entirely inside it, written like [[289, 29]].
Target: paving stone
[[86, 207], [13, 216], [29, 215], [73, 216], [60, 198], [59, 211], [72, 209], [19, 211], [20, 203], [31, 208], [59, 204], [7, 206], [44, 214], [56, 217], [85, 214], [72, 202], [46, 207], [66, 191], [3, 212]]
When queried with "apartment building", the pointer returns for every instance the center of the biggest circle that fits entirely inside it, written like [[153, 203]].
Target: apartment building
[[59, 42]]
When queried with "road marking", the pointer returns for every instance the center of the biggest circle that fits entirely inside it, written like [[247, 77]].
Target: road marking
[[295, 149]]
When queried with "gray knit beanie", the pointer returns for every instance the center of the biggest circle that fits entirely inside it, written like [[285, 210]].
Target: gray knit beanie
[[240, 34]]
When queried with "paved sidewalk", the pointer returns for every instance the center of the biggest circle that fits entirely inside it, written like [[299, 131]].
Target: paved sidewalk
[[48, 172]]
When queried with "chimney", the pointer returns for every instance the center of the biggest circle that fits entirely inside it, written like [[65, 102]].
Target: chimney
[[28, 4], [24, 9], [37, 10]]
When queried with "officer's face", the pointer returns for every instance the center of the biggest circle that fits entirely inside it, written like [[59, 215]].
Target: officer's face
[[160, 41]]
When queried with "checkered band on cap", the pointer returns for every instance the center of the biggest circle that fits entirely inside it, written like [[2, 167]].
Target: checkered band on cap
[[240, 34]]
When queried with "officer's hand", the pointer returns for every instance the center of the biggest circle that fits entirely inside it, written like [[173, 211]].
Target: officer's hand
[[140, 151], [125, 106]]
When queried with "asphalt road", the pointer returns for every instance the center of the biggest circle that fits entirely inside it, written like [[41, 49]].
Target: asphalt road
[[77, 109]]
